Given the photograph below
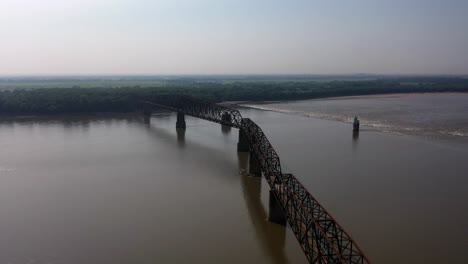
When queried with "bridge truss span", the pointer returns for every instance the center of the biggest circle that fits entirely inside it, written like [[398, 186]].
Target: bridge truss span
[[196, 107], [321, 238], [262, 149]]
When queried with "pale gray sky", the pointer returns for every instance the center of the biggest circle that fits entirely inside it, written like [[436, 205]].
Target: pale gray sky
[[233, 36]]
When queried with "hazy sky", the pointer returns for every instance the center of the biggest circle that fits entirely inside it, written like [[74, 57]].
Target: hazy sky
[[233, 37]]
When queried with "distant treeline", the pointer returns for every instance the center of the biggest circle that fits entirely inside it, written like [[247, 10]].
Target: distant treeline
[[124, 99]]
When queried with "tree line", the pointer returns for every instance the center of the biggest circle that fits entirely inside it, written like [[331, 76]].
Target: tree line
[[47, 101]]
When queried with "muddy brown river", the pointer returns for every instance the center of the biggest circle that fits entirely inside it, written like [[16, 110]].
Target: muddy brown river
[[116, 190]]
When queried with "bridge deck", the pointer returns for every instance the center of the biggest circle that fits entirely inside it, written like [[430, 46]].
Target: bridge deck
[[321, 238]]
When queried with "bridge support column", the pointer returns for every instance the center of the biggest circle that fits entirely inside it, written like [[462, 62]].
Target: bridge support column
[[243, 144], [276, 214], [254, 166], [180, 120], [226, 119]]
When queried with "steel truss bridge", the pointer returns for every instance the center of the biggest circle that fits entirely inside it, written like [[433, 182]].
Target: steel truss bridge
[[321, 238]]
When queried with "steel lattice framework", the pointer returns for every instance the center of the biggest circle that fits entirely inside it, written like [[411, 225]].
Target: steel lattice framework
[[198, 108], [321, 238]]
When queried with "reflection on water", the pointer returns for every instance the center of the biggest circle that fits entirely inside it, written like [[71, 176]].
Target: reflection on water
[[181, 136], [355, 139], [147, 119], [271, 236], [355, 135], [225, 129]]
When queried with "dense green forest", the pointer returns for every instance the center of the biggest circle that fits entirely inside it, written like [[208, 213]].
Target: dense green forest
[[31, 100]]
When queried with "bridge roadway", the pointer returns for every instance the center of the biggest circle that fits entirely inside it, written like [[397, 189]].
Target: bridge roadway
[[321, 238]]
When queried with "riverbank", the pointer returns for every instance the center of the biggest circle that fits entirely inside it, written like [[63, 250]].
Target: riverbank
[[369, 96], [77, 99]]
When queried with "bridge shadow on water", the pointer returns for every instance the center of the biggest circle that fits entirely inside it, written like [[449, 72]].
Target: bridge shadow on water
[[225, 129], [178, 138], [270, 236]]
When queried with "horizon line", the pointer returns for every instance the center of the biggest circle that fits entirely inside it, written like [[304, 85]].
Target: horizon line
[[224, 74]]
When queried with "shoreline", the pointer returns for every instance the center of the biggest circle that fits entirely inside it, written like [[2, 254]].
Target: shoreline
[[75, 116], [369, 96], [235, 104]]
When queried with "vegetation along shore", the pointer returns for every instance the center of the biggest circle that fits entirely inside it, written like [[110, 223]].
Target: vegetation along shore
[[49, 96]]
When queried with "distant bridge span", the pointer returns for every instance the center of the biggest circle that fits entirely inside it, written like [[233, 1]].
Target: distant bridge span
[[321, 238]]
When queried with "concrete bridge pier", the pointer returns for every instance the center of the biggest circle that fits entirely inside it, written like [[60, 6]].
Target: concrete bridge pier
[[275, 214], [254, 166], [180, 120], [243, 144], [226, 118]]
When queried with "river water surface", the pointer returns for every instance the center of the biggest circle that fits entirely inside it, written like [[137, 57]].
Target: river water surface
[[117, 190]]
